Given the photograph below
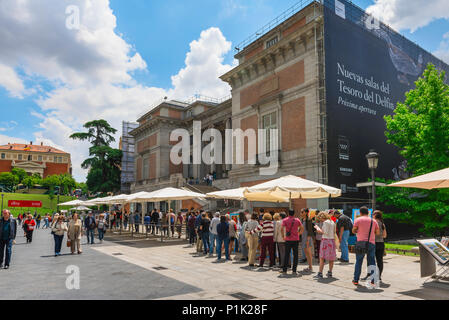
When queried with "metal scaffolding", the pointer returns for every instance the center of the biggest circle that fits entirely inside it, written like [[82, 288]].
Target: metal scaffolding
[[128, 148]]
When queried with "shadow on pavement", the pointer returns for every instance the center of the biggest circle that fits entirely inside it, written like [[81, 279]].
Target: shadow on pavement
[[327, 280], [363, 289], [289, 276], [142, 242], [53, 256]]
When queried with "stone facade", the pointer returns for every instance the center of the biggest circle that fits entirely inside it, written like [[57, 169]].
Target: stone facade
[[275, 86], [277, 76]]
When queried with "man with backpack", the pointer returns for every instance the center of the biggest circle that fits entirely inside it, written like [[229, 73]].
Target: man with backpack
[[344, 228], [366, 229]]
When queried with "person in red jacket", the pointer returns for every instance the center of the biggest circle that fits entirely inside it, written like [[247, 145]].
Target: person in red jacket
[[29, 225]]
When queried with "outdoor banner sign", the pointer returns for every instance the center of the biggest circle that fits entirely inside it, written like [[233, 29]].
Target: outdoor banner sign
[[356, 214], [436, 249], [369, 68], [24, 204]]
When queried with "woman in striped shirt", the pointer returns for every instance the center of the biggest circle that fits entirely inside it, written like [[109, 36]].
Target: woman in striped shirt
[[267, 242]]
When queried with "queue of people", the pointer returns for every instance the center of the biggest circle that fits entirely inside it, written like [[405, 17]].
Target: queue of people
[[279, 237]]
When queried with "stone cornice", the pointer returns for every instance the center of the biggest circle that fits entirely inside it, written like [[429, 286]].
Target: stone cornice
[[156, 123], [269, 56]]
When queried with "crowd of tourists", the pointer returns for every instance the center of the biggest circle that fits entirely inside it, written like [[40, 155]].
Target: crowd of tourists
[[278, 238]]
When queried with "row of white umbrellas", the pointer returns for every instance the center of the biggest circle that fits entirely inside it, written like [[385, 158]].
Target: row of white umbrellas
[[278, 190], [166, 194]]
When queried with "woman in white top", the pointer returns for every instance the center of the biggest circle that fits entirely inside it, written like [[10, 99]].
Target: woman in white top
[[278, 238], [328, 248]]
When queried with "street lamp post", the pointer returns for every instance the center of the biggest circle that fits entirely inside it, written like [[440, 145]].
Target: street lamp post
[[373, 161]]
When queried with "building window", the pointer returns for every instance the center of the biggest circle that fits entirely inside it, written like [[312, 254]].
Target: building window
[[272, 42], [39, 158], [30, 157], [146, 168], [3, 156], [55, 160], [269, 121], [20, 157]]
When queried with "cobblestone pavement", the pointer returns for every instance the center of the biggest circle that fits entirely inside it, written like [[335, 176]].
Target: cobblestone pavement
[[36, 274], [401, 278]]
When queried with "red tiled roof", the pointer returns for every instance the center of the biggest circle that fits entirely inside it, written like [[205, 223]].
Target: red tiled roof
[[30, 148]]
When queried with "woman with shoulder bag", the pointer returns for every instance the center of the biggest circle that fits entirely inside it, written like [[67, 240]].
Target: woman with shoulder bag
[[58, 229], [380, 245], [366, 229]]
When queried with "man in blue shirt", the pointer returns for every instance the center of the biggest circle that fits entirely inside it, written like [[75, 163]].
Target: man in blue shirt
[[147, 221], [8, 230]]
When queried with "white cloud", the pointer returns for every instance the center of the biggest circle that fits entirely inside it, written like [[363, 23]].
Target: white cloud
[[34, 34], [7, 126], [8, 139], [409, 14], [11, 81], [91, 69], [443, 50], [204, 66]]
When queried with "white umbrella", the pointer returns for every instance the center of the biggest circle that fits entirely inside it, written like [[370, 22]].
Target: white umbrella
[[435, 180], [120, 199], [291, 187], [80, 208], [98, 201], [71, 203], [138, 195], [167, 194], [238, 194]]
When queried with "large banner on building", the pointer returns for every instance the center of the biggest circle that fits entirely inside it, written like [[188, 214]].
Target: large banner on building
[[369, 68]]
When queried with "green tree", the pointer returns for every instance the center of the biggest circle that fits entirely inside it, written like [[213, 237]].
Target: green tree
[[28, 182], [31, 181], [419, 128], [51, 182], [99, 133], [83, 187], [19, 173], [7, 179], [104, 162], [66, 183]]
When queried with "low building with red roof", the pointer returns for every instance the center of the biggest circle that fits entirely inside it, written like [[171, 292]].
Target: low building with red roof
[[41, 159]]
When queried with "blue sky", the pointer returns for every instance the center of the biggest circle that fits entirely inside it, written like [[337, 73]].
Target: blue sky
[[49, 77]]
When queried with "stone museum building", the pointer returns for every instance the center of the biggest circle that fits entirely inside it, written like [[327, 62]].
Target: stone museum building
[[323, 74]]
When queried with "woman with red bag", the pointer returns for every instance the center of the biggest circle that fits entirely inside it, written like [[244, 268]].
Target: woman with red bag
[[28, 225]]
